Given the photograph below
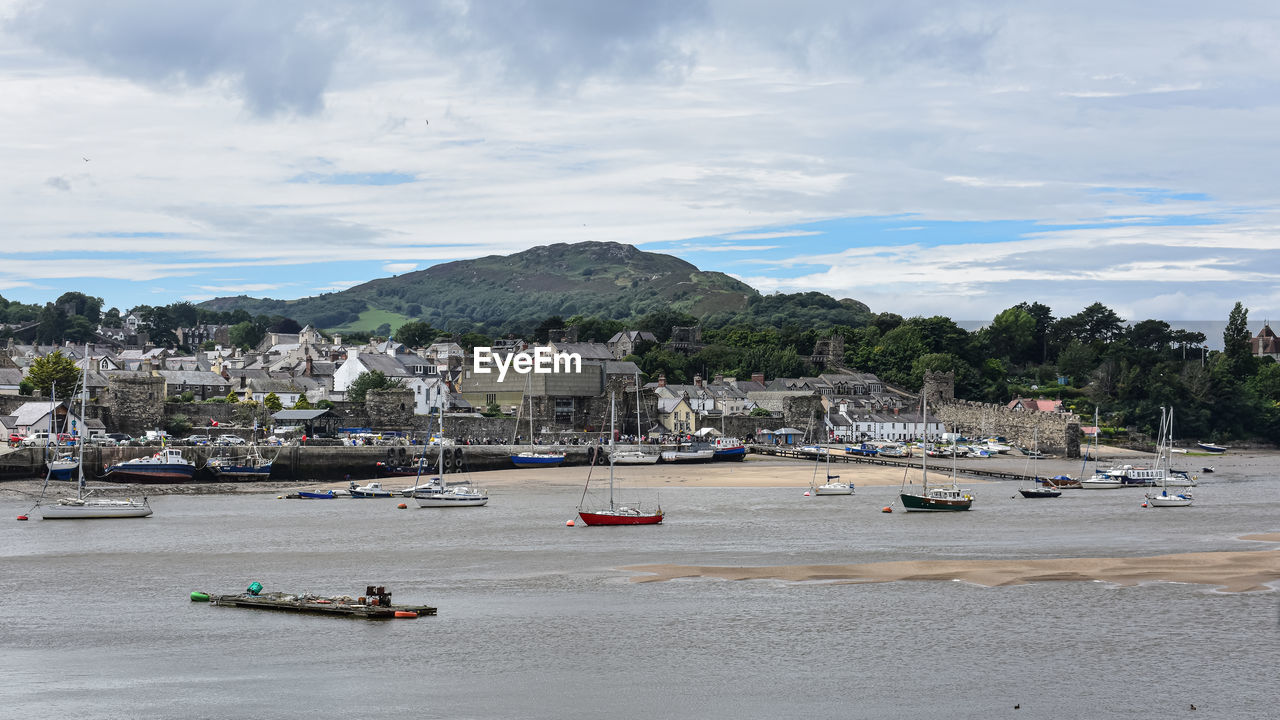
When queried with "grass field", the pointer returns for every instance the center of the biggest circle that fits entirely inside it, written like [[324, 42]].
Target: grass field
[[370, 320]]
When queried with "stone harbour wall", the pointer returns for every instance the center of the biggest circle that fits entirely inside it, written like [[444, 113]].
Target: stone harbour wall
[[1058, 434]]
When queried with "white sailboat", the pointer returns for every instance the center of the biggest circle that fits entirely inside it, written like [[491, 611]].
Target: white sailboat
[[1099, 480], [85, 506], [637, 456], [832, 486], [1165, 498], [441, 495]]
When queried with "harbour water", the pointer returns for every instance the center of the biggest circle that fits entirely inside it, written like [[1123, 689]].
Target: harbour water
[[538, 620]]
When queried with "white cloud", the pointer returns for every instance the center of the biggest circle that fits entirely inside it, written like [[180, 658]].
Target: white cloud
[[397, 268], [772, 235], [652, 124]]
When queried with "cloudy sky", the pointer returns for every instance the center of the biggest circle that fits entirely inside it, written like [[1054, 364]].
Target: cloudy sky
[[924, 157]]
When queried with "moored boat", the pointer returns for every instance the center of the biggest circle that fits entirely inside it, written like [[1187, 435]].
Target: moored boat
[[316, 494], [63, 467], [536, 459], [939, 498], [634, 457], [251, 467], [689, 454], [615, 511], [368, 490], [166, 466], [1211, 447], [728, 449]]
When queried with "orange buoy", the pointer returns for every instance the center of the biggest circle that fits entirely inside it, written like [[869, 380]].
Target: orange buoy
[[406, 614], [24, 517], [887, 509], [806, 493], [1144, 504], [402, 506], [568, 523]]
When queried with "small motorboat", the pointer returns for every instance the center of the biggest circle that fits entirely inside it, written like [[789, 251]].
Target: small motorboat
[[316, 494], [1211, 448], [370, 490], [1206, 469]]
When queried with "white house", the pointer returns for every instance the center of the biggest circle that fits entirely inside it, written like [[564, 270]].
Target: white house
[[850, 424], [430, 395], [357, 364]]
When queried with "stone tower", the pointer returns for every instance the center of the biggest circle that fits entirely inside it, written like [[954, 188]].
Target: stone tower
[[939, 387]]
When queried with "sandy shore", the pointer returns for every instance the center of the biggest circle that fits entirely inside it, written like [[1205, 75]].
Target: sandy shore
[[1230, 571]]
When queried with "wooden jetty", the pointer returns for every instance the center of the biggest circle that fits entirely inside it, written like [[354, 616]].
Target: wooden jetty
[[374, 605]]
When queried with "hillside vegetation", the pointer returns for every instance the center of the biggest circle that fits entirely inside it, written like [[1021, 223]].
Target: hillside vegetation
[[513, 293]]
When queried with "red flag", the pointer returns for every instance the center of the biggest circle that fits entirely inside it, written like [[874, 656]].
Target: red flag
[[213, 423]]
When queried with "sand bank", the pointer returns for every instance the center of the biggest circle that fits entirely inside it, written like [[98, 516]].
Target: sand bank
[[1230, 571]]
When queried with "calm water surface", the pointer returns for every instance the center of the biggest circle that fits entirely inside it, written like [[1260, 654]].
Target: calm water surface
[[538, 621]]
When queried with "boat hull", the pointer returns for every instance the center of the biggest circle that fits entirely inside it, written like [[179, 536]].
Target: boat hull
[[444, 500], [606, 517], [688, 456], [95, 511], [242, 472], [154, 473], [1040, 493], [642, 459], [59, 471], [840, 490], [1101, 484], [922, 503], [529, 461], [1166, 500], [310, 495], [734, 453]]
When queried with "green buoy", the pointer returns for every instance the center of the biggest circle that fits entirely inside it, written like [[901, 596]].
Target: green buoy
[[197, 596]]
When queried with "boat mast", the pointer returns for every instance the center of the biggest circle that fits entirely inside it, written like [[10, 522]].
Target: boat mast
[[612, 418], [924, 452], [84, 390]]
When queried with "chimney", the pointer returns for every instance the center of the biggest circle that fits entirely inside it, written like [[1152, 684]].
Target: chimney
[[718, 379], [307, 372], [337, 339], [697, 380], [757, 377], [662, 380]]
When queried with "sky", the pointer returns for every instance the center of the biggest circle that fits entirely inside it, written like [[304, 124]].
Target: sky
[[926, 158]]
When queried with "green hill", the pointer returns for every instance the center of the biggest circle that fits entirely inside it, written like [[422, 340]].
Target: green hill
[[511, 293]]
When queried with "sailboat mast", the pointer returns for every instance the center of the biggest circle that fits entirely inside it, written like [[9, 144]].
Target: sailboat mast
[[612, 418], [84, 390], [924, 433], [440, 455]]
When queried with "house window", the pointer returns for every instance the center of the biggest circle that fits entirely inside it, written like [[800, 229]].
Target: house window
[[490, 399]]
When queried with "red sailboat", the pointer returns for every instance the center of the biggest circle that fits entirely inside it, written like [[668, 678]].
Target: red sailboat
[[616, 512]]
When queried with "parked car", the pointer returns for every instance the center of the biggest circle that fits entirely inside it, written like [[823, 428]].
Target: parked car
[[199, 440], [16, 439], [230, 440], [38, 439], [121, 438]]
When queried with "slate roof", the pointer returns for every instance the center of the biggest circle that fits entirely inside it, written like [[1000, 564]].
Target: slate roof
[[30, 412], [298, 414]]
